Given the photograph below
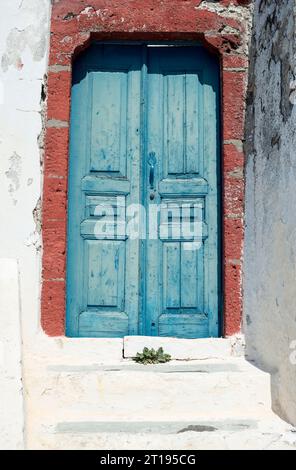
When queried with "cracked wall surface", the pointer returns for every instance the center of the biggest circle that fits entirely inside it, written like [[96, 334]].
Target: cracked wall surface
[[270, 236]]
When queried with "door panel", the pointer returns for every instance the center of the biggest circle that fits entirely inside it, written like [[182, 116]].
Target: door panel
[[144, 129], [104, 177], [109, 102], [182, 114], [105, 262], [180, 139]]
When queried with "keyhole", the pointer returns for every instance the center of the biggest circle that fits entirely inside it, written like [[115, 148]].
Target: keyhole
[[152, 196]]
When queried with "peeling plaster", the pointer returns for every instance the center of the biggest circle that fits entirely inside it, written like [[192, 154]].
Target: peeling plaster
[[242, 13], [13, 174], [33, 36], [37, 211], [43, 103]]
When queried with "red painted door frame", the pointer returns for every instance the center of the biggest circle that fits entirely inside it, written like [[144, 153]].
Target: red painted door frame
[[74, 25]]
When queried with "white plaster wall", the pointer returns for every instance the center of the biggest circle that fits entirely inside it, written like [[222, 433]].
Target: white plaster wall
[[23, 55], [11, 402], [24, 35], [270, 238]]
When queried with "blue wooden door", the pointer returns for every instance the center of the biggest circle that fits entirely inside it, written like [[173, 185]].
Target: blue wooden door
[[144, 131], [182, 135]]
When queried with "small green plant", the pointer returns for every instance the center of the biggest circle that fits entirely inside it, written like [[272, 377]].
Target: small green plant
[[150, 356]]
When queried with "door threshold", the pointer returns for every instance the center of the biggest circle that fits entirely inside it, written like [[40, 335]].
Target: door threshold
[[182, 349]]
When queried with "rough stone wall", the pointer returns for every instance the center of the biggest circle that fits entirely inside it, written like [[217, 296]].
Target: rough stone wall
[[270, 236]]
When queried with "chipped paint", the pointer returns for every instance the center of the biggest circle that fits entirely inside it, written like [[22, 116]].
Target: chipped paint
[[13, 174], [33, 36]]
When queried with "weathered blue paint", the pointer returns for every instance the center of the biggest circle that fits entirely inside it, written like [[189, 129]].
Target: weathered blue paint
[[144, 128], [102, 282]]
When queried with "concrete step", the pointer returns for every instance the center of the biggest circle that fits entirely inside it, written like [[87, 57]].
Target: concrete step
[[181, 403], [128, 391], [183, 349], [173, 436]]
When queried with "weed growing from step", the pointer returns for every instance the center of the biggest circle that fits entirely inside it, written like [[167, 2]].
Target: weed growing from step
[[150, 356]]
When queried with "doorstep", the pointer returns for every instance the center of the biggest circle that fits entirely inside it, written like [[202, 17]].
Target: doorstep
[[182, 349], [84, 352]]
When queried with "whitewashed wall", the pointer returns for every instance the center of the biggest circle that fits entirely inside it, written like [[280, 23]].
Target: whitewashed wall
[[270, 239], [24, 36], [11, 390]]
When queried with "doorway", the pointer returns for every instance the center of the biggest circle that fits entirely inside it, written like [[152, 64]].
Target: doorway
[[143, 192]]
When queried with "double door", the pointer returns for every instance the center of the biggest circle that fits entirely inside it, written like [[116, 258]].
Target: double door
[[143, 193]]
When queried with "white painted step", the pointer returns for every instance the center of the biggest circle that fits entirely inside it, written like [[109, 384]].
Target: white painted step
[[249, 439], [169, 392], [183, 349], [126, 405]]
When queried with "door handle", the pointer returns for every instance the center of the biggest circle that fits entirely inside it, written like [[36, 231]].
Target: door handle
[[152, 163]]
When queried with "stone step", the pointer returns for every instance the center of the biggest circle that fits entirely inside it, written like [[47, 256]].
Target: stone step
[[150, 427], [169, 392], [94, 405], [210, 366], [182, 349], [170, 436]]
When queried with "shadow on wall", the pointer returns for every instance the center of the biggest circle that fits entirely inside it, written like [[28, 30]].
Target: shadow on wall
[[270, 236]]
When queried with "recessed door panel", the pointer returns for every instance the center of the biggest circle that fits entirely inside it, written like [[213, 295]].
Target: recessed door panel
[[109, 102]]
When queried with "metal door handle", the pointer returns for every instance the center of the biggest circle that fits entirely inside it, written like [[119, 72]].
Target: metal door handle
[[151, 177], [151, 163]]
